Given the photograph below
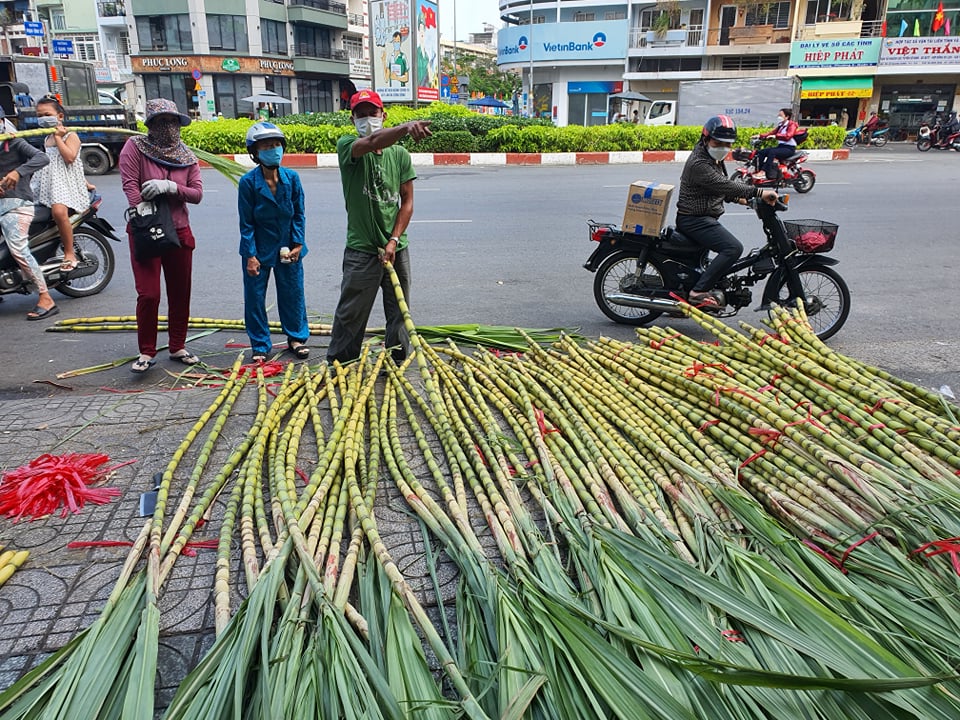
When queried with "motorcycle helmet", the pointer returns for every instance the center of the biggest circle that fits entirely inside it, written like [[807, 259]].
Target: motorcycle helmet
[[721, 128], [264, 131]]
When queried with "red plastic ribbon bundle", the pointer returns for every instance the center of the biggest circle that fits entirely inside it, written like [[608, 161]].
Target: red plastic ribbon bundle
[[55, 482]]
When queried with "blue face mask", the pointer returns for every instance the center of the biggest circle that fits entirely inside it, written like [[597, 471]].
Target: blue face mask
[[271, 157]]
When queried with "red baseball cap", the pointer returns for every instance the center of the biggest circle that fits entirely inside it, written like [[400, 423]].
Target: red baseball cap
[[365, 96]]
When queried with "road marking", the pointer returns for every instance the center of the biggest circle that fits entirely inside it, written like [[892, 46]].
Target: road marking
[[439, 221]]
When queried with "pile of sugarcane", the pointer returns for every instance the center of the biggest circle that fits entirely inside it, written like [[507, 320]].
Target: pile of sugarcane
[[757, 528], [10, 562]]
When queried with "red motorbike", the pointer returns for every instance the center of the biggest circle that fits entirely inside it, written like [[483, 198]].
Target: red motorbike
[[929, 137], [789, 171]]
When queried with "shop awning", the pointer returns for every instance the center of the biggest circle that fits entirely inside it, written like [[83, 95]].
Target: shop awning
[[836, 87]]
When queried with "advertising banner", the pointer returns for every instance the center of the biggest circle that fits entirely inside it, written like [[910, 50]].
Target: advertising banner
[[606, 40], [920, 51], [392, 50], [428, 51], [850, 52]]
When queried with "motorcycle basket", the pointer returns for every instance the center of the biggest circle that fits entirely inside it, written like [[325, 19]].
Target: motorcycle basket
[[811, 236], [741, 154]]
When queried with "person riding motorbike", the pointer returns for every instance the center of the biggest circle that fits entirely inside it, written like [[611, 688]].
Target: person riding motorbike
[[783, 131], [869, 127], [948, 128], [704, 187]]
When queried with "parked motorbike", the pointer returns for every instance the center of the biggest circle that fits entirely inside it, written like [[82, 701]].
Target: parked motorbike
[[96, 260], [789, 171], [858, 136], [929, 137], [640, 277]]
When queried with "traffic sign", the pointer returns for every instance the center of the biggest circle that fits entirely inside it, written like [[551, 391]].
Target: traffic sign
[[31, 27], [197, 74], [63, 47]]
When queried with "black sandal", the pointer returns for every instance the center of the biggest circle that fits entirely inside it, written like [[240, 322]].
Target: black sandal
[[301, 351], [185, 356]]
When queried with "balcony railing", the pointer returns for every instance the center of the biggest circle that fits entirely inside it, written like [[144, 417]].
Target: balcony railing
[[327, 5], [111, 9], [312, 51], [692, 36], [355, 19]]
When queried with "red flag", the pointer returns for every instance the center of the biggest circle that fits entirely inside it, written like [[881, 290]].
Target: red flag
[[937, 19], [883, 29]]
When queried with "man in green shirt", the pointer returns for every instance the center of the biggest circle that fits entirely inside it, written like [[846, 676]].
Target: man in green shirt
[[377, 177]]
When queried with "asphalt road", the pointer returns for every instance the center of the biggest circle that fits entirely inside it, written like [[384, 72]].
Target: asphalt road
[[506, 246]]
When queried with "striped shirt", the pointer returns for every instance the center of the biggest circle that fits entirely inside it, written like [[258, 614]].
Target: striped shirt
[[704, 186]]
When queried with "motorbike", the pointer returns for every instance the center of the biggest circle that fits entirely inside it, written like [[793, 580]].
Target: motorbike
[[858, 136], [929, 137], [640, 277], [789, 171], [95, 256]]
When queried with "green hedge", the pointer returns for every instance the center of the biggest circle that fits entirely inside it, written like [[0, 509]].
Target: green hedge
[[457, 129]]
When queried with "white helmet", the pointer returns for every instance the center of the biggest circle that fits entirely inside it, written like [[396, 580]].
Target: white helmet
[[264, 131]]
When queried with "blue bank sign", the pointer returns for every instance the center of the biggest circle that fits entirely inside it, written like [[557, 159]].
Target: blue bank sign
[[563, 41]]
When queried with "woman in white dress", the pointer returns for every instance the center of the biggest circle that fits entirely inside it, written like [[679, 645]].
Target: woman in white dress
[[61, 185]]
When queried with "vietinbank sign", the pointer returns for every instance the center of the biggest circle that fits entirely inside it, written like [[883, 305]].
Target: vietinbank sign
[[563, 41]]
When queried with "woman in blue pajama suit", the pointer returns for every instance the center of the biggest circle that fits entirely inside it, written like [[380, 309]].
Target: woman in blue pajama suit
[[272, 227]]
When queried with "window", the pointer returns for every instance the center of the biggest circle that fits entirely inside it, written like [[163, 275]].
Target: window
[[646, 19], [228, 32], [315, 95], [123, 44], [537, 19], [776, 14], [827, 10], [353, 47], [273, 34], [86, 47], [584, 17], [160, 33], [312, 41], [281, 86], [172, 87], [668, 64], [615, 15], [57, 20], [751, 62]]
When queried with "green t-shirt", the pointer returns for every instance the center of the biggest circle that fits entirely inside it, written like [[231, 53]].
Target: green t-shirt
[[371, 191]]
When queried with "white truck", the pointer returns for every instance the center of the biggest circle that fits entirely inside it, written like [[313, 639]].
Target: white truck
[[751, 102]]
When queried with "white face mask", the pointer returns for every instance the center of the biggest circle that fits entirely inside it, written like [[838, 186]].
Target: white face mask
[[367, 125], [718, 153], [780, 119]]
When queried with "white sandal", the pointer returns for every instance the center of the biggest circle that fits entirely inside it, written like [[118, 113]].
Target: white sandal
[[142, 364]]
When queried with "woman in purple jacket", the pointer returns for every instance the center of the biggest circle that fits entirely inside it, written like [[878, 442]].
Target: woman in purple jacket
[[150, 166]]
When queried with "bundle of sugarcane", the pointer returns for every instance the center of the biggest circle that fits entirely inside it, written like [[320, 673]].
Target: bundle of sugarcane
[[662, 529], [128, 323]]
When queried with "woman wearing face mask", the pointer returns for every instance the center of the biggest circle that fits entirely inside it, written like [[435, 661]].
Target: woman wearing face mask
[[783, 131], [704, 187], [272, 230], [155, 165], [61, 185], [377, 177]]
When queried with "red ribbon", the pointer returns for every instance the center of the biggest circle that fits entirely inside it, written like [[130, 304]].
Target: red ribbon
[[657, 344], [542, 423], [879, 404], [732, 636], [733, 391], [773, 336], [189, 550], [699, 367], [839, 564], [756, 456], [950, 546], [707, 424], [56, 482]]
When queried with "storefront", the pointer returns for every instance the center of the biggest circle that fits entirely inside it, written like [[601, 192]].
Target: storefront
[[208, 85], [906, 106], [824, 101], [917, 79]]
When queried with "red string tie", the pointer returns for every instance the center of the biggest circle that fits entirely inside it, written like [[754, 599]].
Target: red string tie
[[733, 391], [707, 424], [950, 546], [699, 367], [542, 423], [756, 456], [839, 564], [657, 344], [879, 404], [731, 636]]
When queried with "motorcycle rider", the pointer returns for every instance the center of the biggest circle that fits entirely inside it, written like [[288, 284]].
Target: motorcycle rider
[[783, 131], [948, 128], [869, 127], [704, 187]]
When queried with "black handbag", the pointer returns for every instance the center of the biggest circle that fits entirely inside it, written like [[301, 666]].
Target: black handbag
[[153, 234]]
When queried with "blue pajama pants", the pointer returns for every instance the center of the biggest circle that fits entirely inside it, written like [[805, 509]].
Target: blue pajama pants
[[291, 305]]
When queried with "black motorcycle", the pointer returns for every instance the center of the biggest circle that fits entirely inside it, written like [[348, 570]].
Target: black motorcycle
[[640, 277], [96, 261]]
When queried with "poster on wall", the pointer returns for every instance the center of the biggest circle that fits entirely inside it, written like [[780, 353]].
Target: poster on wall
[[428, 51], [392, 55]]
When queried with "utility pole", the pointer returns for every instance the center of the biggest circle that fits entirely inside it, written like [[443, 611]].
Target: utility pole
[[533, 106]]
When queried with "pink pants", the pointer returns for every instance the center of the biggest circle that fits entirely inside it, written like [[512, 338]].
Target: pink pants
[[177, 267]]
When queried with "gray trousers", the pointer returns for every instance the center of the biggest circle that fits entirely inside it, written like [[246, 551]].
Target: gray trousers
[[363, 277]]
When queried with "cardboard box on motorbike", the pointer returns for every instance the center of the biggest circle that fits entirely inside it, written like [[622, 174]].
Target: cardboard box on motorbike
[[647, 206]]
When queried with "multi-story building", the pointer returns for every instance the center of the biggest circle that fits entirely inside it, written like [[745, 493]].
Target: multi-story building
[[208, 56], [895, 56]]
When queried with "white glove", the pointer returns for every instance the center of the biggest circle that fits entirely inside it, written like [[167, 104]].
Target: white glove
[[152, 188]]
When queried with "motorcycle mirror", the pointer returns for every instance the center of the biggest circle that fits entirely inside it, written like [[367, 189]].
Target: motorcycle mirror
[[783, 201]]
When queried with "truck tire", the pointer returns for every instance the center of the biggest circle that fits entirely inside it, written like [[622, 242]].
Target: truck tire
[[96, 160]]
